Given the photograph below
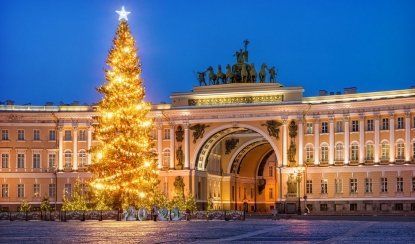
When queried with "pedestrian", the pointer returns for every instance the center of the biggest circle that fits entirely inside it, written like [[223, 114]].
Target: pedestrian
[[154, 212]]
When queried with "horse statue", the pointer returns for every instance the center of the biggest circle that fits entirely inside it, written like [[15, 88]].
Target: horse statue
[[244, 74], [212, 76], [252, 73], [201, 78], [220, 75], [272, 74], [262, 73], [229, 74]]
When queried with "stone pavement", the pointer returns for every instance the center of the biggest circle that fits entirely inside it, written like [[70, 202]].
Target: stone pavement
[[251, 230]]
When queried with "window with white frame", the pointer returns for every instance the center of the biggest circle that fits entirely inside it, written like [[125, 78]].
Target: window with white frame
[[166, 157], [68, 159], [353, 185], [400, 150], [338, 184], [20, 190], [368, 185], [52, 190], [339, 126], [20, 160], [324, 186], [36, 135], [369, 125], [399, 184], [324, 157], [51, 160], [270, 171], [400, 124], [309, 128], [166, 134], [383, 184], [67, 190], [385, 124], [82, 135], [4, 135], [20, 135], [4, 190], [339, 152], [385, 151], [36, 160], [355, 125], [52, 135], [4, 160], [36, 190], [354, 152], [309, 187], [67, 135], [369, 151], [324, 127], [82, 158], [309, 153]]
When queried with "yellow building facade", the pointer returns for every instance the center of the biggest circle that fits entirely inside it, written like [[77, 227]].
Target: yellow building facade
[[258, 146]]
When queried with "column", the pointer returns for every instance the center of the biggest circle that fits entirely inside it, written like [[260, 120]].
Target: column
[[377, 137], [75, 148], [408, 136], [316, 141], [186, 146], [391, 137], [160, 146], [361, 138], [346, 148], [89, 145], [172, 151], [300, 142], [60, 157], [331, 140], [284, 142]]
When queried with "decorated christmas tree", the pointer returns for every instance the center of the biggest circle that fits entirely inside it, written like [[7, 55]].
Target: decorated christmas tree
[[124, 167]]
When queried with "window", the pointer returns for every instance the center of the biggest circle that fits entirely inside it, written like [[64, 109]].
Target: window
[[52, 135], [166, 157], [68, 190], [324, 157], [355, 125], [383, 184], [309, 186], [166, 134], [339, 126], [5, 135], [413, 184], [68, 135], [369, 125], [368, 185], [339, 152], [324, 127], [20, 135], [385, 124], [270, 171], [4, 190], [271, 193], [354, 152], [385, 151], [353, 206], [51, 160], [309, 128], [398, 206], [309, 153], [324, 207], [324, 185], [36, 190], [400, 124], [399, 184], [68, 160], [36, 135], [5, 160], [353, 185], [20, 190], [52, 190], [20, 160], [369, 151], [413, 150], [82, 135], [338, 185], [82, 158], [400, 151], [36, 160]]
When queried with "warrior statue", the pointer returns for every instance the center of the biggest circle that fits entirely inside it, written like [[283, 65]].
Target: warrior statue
[[220, 75], [229, 74], [201, 78], [245, 53], [244, 74], [272, 74], [262, 73], [252, 73]]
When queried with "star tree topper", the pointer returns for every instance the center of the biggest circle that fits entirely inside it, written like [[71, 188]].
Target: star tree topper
[[122, 14]]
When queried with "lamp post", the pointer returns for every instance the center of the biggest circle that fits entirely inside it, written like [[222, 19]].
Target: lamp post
[[298, 179]]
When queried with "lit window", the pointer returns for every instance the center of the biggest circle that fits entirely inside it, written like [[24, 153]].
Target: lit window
[[4, 190], [36, 135], [368, 185], [82, 158], [324, 186], [4, 135], [355, 125], [369, 126], [20, 135], [369, 151], [5, 160], [68, 160], [385, 151], [353, 185], [383, 184], [339, 152], [354, 152], [166, 157], [400, 151], [399, 184], [36, 190], [51, 160], [309, 153], [324, 127], [324, 157]]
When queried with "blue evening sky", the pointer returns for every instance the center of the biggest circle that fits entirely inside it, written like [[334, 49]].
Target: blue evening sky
[[56, 50]]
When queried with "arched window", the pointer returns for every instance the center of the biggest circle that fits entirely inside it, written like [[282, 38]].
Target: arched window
[[339, 152], [309, 153], [369, 151], [82, 158], [324, 153], [166, 157], [400, 150], [354, 152], [68, 159], [385, 151]]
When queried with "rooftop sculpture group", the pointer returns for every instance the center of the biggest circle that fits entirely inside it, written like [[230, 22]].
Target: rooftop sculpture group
[[240, 72]]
